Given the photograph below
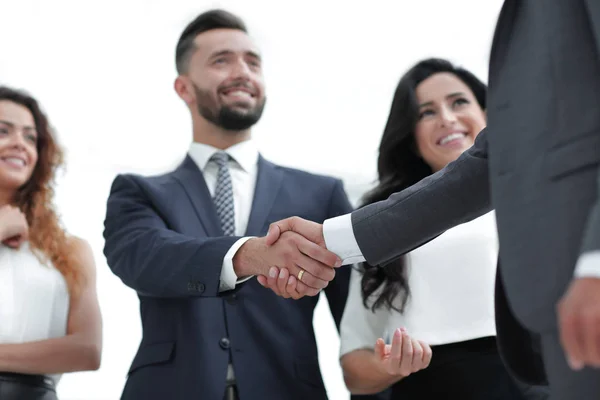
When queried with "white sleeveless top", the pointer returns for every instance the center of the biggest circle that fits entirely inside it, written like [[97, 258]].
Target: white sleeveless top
[[34, 299], [451, 279]]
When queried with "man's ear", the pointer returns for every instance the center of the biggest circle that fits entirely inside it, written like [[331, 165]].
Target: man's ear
[[182, 86]]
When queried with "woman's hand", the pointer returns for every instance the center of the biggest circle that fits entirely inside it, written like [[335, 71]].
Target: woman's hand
[[404, 356], [14, 229]]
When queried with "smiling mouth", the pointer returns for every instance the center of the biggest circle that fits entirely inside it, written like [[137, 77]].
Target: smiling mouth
[[239, 93], [451, 138], [15, 161]]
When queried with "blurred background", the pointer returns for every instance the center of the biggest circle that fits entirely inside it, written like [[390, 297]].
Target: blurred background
[[104, 73]]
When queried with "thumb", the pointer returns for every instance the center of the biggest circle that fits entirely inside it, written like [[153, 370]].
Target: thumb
[[273, 234], [380, 348]]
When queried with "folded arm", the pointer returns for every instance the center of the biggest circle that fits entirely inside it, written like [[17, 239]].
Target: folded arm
[[80, 349]]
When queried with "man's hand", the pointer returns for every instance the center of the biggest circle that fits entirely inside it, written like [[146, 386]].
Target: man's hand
[[283, 284], [579, 323], [280, 280], [310, 230], [404, 356], [300, 257]]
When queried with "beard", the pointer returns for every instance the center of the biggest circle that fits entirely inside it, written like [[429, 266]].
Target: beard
[[227, 117]]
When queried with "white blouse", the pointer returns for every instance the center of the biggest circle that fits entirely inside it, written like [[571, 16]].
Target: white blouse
[[451, 280], [34, 299]]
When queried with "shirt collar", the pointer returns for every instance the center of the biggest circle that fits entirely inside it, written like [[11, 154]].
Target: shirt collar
[[245, 154]]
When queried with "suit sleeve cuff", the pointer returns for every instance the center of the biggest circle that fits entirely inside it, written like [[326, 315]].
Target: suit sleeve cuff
[[339, 239], [228, 277], [588, 265]]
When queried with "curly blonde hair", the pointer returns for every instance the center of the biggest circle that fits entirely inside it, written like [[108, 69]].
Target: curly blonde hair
[[35, 198]]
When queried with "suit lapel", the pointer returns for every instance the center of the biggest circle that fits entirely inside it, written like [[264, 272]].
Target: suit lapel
[[192, 181], [268, 183]]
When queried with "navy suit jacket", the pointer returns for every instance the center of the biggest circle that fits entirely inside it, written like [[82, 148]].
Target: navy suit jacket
[[163, 239]]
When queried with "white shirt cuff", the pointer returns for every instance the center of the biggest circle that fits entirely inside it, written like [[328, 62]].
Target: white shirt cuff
[[588, 265], [228, 277], [339, 239]]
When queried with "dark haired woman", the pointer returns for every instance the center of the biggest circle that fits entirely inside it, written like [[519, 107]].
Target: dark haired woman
[[443, 292]]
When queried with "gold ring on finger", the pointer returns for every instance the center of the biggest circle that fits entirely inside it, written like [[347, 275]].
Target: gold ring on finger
[[300, 275]]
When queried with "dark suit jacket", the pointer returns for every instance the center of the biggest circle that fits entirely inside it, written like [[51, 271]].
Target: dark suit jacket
[[163, 239], [536, 163]]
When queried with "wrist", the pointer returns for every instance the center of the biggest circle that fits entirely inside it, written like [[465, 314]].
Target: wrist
[[246, 261]]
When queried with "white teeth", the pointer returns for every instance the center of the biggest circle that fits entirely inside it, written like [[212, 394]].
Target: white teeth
[[451, 137], [239, 93], [15, 161]]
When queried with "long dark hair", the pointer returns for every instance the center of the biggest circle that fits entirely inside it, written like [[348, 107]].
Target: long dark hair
[[399, 166]]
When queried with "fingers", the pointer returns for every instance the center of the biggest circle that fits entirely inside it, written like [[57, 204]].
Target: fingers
[[262, 280], [13, 244], [405, 356], [380, 348], [277, 228], [316, 275], [287, 253], [273, 234], [318, 253], [310, 230], [396, 352], [592, 342], [282, 283], [406, 363], [305, 290], [417, 355], [570, 337], [272, 280], [291, 288], [427, 354]]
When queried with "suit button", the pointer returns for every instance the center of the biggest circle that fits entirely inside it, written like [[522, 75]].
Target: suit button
[[200, 287], [224, 343], [232, 299]]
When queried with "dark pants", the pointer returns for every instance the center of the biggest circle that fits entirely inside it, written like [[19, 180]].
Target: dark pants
[[471, 370], [26, 387]]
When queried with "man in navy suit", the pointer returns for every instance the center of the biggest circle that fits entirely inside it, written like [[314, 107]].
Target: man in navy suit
[[190, 242]]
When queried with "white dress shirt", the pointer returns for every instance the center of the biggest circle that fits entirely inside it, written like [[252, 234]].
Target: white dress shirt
[[339, 239], [243, 169], [451, 280]]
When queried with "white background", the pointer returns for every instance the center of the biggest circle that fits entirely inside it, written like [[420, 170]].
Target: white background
[[104, 71]]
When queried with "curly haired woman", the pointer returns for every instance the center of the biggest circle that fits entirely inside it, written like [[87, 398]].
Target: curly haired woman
[[50, 321]]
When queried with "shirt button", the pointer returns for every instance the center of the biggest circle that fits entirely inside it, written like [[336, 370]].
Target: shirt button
[[224, 343]]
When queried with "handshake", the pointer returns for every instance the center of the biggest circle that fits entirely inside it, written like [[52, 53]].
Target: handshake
[[292, 259]]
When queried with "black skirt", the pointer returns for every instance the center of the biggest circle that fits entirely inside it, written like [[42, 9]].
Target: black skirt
[[470, 370], [26, 387]]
